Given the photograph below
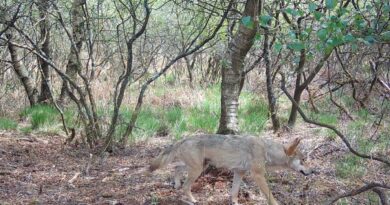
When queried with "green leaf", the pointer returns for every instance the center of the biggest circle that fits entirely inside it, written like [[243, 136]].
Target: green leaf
[[328, 49], [331, 4], [278, 46], [248, 22], [264, 19], [322, 34], [336, 41], [370, 40], [312, 7], [348, 38], [385, 36], [317, 15], [296, 46], [258, 37], [292, 11]]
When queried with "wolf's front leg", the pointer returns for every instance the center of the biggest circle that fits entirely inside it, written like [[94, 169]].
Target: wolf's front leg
[[193, 174], [258, 173], [237, 178], [178, 174]]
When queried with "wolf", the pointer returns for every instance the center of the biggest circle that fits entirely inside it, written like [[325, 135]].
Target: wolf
[[240, 154]]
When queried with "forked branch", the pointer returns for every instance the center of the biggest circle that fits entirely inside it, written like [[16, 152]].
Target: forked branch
[[341, 135]]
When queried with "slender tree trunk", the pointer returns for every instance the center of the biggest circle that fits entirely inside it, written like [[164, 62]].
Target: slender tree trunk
[[233, 70], [74, 64], [190, 67], [45, 40], [21, 71], [270, 92], [301, 86]]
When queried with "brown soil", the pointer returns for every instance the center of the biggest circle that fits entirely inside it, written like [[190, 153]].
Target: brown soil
[[40, 170]]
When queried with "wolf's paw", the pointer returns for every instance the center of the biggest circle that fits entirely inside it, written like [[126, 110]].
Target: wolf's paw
[[189, 202]]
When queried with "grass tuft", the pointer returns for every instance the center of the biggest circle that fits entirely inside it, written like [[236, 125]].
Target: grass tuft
[[350, 166], [41, 115], [7, 124]]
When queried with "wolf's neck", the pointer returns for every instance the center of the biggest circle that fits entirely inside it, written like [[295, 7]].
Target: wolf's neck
[[274, 154]]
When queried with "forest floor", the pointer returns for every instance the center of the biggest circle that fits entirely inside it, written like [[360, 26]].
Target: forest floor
[[41, 170]]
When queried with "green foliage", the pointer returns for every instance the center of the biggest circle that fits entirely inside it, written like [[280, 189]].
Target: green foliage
[[265, 19], [331, 4], [41, 115], [248, 22], [7, 124], [350, 166], [296, 46]]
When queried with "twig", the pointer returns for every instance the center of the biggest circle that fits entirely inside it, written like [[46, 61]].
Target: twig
[[74, 177], [362, 189], [342, 108], [382, 195], [343, 138]]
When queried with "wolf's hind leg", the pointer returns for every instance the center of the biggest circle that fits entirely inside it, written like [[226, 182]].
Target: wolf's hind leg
[[258, 174], [193, 174], [237, 178]]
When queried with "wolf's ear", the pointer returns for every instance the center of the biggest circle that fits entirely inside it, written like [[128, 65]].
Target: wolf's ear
[[291, 149]]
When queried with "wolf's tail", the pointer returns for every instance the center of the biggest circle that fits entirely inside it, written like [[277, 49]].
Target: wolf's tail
[[166, 157]]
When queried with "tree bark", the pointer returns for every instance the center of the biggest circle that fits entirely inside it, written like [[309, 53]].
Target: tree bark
[[270, 92], [43, 7], [74, 65], [233, 70], [21, 71], [300, 87]]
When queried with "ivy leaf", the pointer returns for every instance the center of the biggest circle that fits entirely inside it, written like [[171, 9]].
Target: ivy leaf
[[264, 19], [348, 38], [331, 4], [291, 11], [296, 46], [370, 40], [278, 46], [386, 36], [317, 15], [258, 37], [312, 7], [322, 34], [248, 22]]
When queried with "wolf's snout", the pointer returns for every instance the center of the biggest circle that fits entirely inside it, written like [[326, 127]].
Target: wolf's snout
[[307, 172]]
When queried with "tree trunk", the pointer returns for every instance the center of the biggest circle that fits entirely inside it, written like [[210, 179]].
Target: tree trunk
[[21, 71], [300, 87], [270, 92], [45, 40], [233, 70], [74, 64], [190, 67]]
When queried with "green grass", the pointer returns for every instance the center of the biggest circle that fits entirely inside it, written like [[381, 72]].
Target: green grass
[[41, 115], [253, 114], [202, 117], [350, 166], [7, 124]]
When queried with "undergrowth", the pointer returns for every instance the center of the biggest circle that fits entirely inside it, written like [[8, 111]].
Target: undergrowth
[[7, 124], [40, 116]]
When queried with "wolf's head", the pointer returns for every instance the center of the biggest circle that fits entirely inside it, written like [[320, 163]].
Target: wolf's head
[[296, 158]]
